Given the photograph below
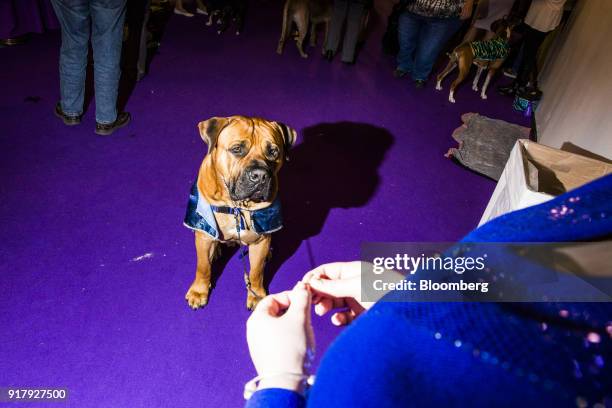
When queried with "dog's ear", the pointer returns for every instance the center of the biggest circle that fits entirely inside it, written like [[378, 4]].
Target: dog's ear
[[289, 136], [210, 129]]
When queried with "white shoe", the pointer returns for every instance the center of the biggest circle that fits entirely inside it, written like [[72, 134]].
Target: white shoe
[[510, 73], [183, 13], [200, 11]]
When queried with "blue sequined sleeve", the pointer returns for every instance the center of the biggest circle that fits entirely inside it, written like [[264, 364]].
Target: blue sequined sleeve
[[276, 397]]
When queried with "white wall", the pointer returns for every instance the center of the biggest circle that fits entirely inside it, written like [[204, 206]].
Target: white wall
[[577, 82]]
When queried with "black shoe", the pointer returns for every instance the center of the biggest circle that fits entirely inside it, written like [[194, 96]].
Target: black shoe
[[509, 90], [106, 129], [68, 120], [398, 73], [530, 93], [329, 55], [419, 83]]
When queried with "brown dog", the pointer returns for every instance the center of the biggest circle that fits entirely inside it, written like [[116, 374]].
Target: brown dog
[[304, 13], [234, 197], [494, 53]]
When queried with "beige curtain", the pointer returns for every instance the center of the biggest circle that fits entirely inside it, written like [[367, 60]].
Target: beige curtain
[[577, 82]]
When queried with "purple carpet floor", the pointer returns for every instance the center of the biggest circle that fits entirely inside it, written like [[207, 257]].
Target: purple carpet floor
[[94, 260]]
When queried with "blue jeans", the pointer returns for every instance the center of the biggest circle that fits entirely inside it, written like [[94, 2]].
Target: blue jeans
[[103, 19], [421, 39]]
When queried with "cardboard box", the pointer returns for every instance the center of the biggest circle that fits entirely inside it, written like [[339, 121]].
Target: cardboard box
[[535, 173]]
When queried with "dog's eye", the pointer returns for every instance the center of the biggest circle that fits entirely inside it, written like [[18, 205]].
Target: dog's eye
[[273, 153], [237, 150]]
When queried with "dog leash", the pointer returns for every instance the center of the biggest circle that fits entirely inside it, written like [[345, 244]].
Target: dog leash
[[244, 250]]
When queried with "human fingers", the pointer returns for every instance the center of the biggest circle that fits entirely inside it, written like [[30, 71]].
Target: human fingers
[[274, 304], [299, 299], [325, 304], [343, 318], [335, 270], [335, 288]]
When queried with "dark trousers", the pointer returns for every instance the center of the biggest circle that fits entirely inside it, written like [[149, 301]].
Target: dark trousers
[[531, 44], [352, 12], [421, 39]]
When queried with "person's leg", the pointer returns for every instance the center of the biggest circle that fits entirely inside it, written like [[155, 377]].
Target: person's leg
[[408, 29], [180, 9], [141, 65], [533, 40], [514, 60], [518, 60], [531, 43], [434, 35], [337, 22], [107, 34], [74, 20], [201, 7], [354, 19]]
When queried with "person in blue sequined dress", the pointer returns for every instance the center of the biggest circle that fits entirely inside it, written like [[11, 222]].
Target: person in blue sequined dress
[[441, 354]]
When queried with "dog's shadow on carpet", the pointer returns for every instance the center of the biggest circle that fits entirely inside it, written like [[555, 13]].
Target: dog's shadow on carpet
[[335, 165]]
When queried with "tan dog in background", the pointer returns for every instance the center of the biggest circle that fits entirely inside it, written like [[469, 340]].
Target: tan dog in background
[[463, 56], [237, 179], [304, 13]]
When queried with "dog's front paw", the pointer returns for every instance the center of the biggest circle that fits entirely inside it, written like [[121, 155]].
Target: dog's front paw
[[253, 298], [197, 295], [438, 86], [475, 88], [451, 98], [483, 96]]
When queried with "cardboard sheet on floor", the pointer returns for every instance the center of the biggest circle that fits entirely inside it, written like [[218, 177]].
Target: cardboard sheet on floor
[[535, 173], [485, 143]]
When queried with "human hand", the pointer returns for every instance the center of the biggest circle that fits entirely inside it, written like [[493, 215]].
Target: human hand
[[281, 339], [337, 286]]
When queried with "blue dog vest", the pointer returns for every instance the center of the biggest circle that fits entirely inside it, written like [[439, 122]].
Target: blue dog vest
[[200, 216]]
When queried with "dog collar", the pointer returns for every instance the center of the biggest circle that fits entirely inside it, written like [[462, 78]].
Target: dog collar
[[200, 216]]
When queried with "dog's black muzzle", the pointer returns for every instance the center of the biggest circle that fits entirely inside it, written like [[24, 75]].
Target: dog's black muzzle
[[255, 184]]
